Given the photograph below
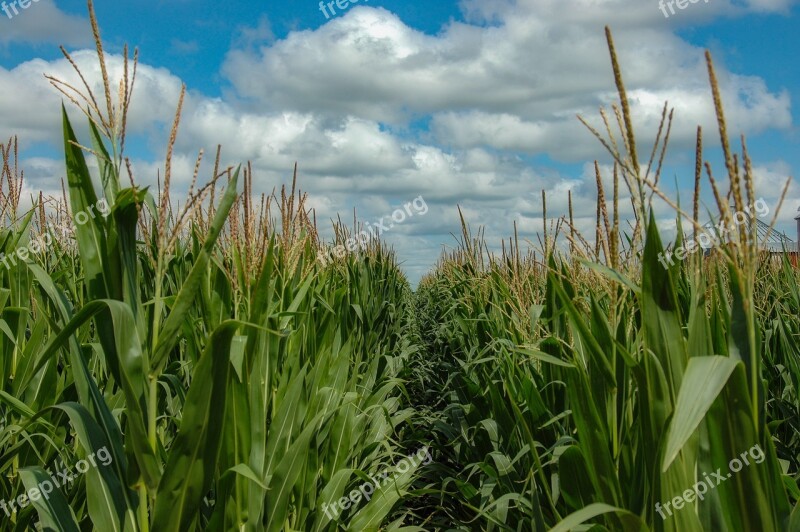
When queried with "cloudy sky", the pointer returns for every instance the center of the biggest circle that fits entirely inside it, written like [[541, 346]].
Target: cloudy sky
[[462, 102]]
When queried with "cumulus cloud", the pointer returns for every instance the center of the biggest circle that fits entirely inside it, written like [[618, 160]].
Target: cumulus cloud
[[769, 182], [516, 84], [33, 112], [43, 23], [345, 101]]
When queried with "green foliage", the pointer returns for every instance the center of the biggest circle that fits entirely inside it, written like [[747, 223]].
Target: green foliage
[[228, 396]]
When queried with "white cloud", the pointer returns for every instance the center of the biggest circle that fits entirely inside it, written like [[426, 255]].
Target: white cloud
[[514, 85], [770, 6], [339, 100], [42, 22], [32, 107]]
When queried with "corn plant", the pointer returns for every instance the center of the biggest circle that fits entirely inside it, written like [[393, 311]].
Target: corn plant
[[232, 381], [593, 387]]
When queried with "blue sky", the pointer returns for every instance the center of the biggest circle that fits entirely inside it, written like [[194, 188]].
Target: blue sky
[[467, 103]]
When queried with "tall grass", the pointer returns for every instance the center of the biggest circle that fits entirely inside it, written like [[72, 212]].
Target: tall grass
[[235, 382], [591, 385]]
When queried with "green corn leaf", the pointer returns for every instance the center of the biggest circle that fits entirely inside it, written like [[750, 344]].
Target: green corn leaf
[[169, 334], [90, 236], [630, 522], [111, 504], [702, 383], [612, 274], [574, 480], [85, 384], [287, 473], [370, 517], [108, 174], [193, 457], [54, 512], [131, 364]]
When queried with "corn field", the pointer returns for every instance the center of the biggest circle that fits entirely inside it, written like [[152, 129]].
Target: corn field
[[210, 374]]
